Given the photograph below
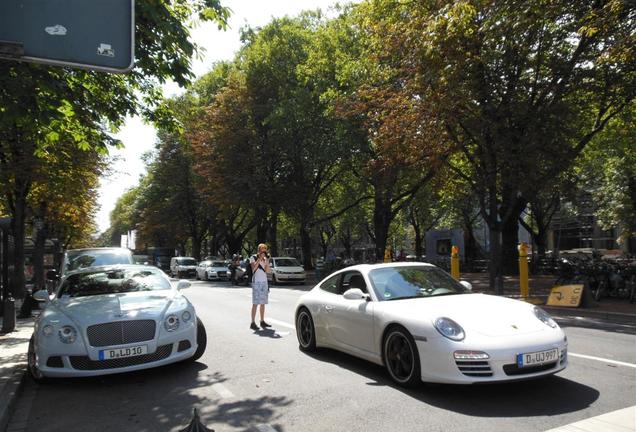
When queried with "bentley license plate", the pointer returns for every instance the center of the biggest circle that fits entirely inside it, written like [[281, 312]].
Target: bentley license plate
[[116, 353], [537, 358]]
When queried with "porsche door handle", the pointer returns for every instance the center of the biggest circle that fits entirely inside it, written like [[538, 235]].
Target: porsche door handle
[[329, 308]]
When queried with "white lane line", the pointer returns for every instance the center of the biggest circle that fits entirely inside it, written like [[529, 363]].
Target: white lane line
[[222, 391], [620, 363], [265, 428], [280, 323]]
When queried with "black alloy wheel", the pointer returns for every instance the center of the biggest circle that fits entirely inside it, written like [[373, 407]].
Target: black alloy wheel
[[401, 358], [305, 331]]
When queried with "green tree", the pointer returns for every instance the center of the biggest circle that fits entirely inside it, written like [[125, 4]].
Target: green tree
[[39, 106], [520, 88]]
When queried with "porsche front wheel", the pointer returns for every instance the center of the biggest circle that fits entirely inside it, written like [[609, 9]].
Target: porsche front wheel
[[401, 358]]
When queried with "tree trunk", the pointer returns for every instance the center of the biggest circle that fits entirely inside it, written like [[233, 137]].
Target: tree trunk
[[381, 224], [495, 260], [418, 243], [305, 245], [38, 258], [272, 233], [18, 231], [510, 241]]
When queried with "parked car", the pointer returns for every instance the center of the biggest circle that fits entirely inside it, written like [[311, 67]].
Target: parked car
[[111, 319], [422, 325], [212, 270], [75, 259], [286, 269], [183, 267]]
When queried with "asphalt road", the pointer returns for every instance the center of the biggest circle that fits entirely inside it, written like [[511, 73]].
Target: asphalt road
[[260, 381]]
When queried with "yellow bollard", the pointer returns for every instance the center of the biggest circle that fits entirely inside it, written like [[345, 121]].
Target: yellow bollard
[[455, 262], [523, 270], [388, 256]]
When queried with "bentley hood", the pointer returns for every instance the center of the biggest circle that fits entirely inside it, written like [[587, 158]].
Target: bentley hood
[[89, 310]]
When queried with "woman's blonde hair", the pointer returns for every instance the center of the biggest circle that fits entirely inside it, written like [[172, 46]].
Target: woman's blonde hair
[[262, 245]]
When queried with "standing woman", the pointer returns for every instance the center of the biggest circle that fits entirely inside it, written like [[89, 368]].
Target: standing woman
[[260, 290]]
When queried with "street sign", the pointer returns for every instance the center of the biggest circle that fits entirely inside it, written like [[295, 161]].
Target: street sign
[[566, 296], [88, 34]]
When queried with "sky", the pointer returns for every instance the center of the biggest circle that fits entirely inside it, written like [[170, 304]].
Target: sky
[[139, 138]]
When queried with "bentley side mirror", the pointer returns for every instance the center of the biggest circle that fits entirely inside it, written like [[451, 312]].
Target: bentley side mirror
[[183, 284], [467, 285], [41, 296]]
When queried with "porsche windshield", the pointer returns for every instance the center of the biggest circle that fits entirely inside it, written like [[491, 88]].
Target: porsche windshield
[[113, 281], [395, 283]]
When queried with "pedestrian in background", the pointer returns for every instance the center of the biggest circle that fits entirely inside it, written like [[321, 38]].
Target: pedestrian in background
[[260, 290]]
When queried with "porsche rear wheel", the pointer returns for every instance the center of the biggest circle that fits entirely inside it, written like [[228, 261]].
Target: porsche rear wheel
[[401, 358], [305, 331]]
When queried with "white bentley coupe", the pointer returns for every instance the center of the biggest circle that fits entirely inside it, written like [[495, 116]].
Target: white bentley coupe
[[112, 319], [422, 325]]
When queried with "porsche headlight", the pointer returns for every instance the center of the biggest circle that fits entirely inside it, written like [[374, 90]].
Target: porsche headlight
[[450, 329], [186, 316], [171, 323], [544, 317], [68, 334]]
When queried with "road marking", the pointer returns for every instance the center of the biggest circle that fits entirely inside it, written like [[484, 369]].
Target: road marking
[[620, 363], [281, 323], [222, 390], [265, 428]]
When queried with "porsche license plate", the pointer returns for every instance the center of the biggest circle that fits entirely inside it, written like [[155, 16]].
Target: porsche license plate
[[537, 358], [116, 353]]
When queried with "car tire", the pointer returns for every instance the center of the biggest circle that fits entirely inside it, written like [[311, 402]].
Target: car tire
[[305, 331], [34, 371], [202, 341], [401, 359]]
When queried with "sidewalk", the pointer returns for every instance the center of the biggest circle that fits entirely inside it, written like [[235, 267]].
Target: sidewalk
[[13, 360]]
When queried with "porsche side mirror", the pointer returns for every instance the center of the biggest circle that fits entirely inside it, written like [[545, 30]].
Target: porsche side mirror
[[183, 284], [355, 294], [41, 296], [467, 285]]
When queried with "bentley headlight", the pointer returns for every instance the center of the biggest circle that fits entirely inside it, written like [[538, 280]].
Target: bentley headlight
[[171, 323], [186, 316], [450, 329], [544, 317], [68, 334], [48, 330]]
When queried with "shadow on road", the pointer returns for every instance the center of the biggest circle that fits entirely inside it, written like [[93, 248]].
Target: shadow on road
[[153, 400], [546, 396]]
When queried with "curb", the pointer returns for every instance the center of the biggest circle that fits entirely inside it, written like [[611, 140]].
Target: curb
[[614, 317], [9, 394]]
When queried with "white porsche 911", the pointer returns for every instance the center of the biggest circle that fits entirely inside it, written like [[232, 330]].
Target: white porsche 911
[[112, 319], [422, 325]]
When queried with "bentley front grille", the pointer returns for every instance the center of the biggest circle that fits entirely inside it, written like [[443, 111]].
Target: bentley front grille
[[121, 332]]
